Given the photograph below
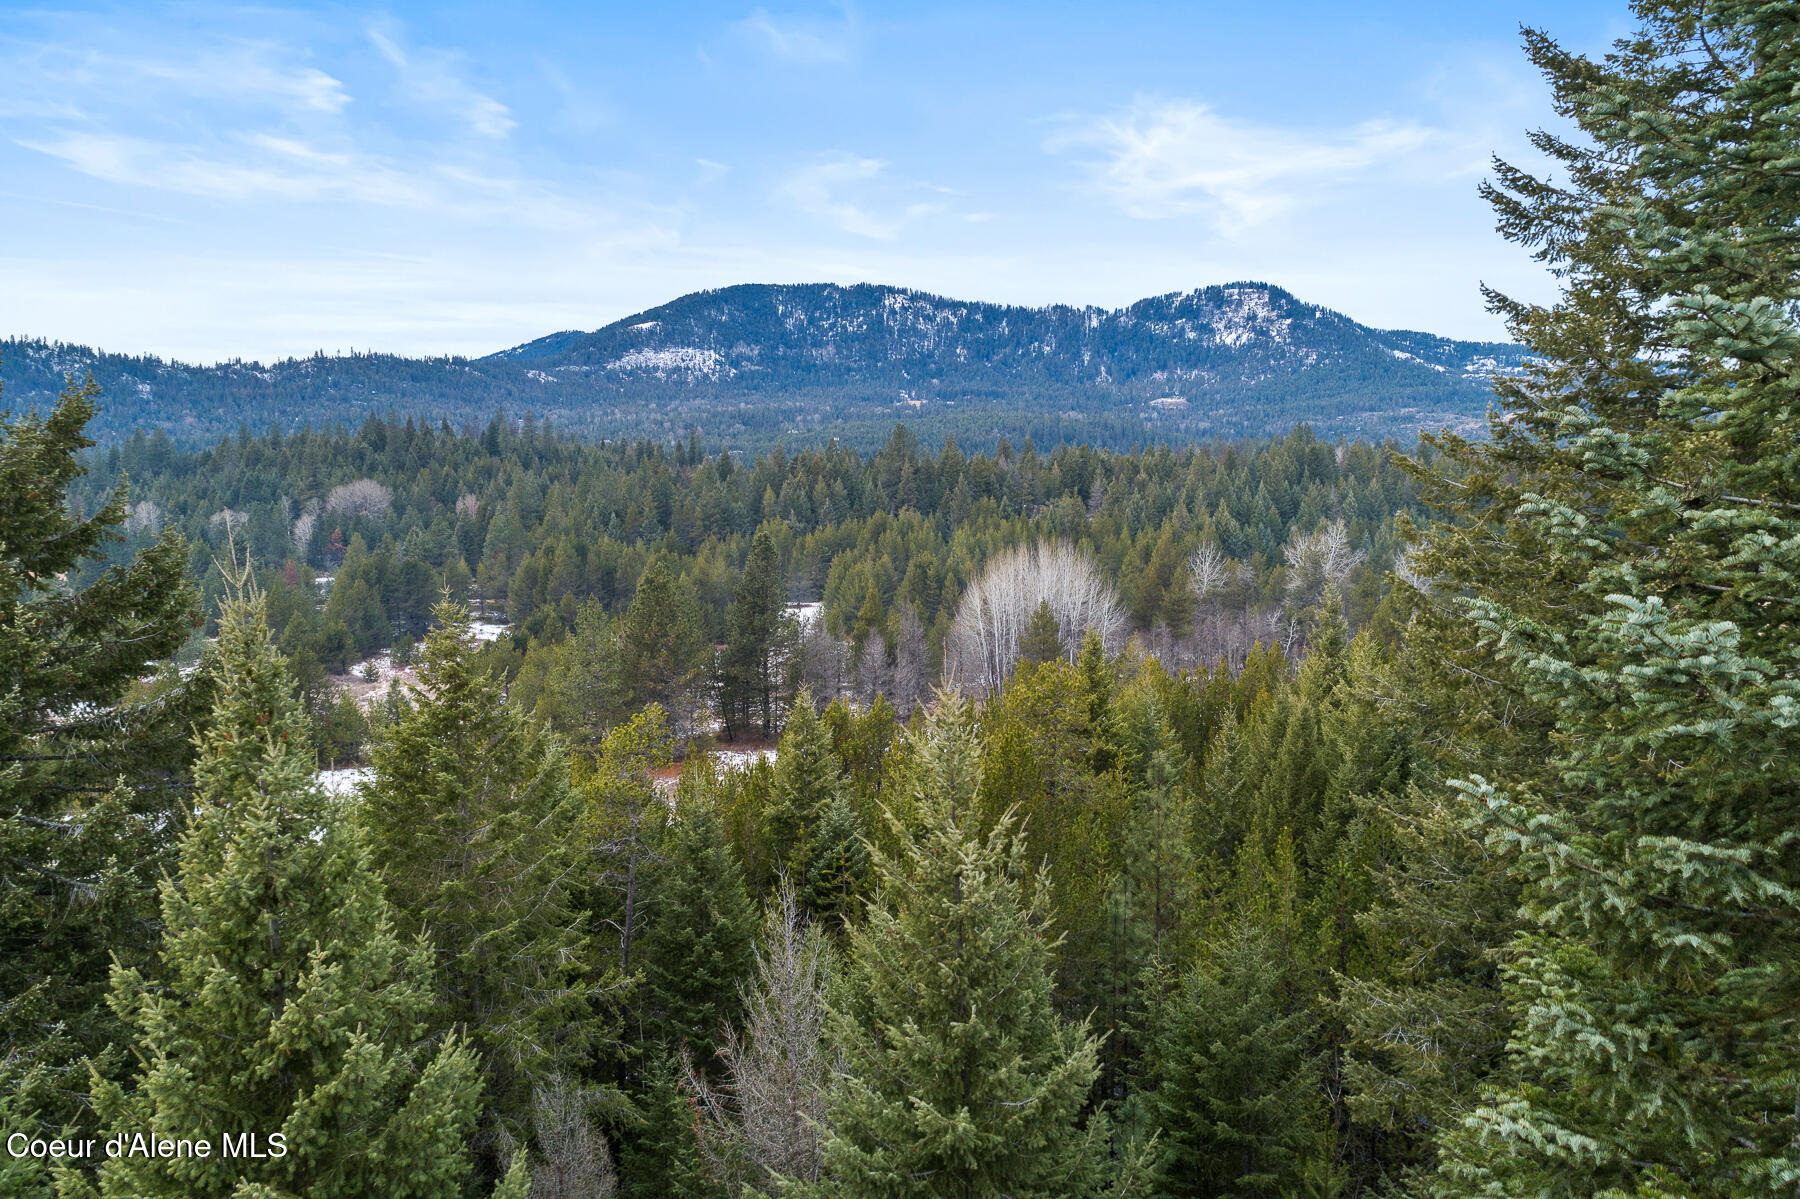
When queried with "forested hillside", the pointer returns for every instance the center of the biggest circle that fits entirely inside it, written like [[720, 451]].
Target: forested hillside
[[1279, 818], [359, 534], [752, 365]]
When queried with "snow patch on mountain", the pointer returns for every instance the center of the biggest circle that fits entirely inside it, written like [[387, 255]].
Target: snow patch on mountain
[[691, 362]]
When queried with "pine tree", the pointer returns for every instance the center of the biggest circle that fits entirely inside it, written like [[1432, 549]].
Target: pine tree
[[1157, 860], [1236, 1094], [471, 817], [80, 854], [662, 1159], [1041, 641], [959, 1078], [808, 783], [286, 1003], [838, 865], [1149, 896], [870, 618], [662, 650], [1097, 680], [585, 687], [697, 943], [625, 818], [750, 675], [1646, 468]]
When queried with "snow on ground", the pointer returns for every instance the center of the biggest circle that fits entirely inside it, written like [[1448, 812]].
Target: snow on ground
[[345, 781], [693, 362], [726, 761], [370, 681], [742, 759], [806, 614], [367, 691]]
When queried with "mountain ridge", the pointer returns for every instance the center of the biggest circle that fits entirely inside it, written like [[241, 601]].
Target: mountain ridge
[[752, 364]]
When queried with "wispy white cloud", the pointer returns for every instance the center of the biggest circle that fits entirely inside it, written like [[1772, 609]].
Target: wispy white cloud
[[237, 121], [825, 190], [434, 78], [262, 166], [802, 40], [1164, 158], [65, 79], [245, 70], [817, 191], [252, 166]]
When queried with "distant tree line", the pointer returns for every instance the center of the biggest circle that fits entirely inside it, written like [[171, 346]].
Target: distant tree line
[[558, 539]]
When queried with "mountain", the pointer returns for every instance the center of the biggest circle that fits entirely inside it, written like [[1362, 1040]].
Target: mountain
[[756, 363]]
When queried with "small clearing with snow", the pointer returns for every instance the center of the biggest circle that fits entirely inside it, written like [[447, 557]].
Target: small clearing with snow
[[344, 781]]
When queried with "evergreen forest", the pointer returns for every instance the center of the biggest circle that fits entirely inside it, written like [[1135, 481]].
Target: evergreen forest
[[405, 809]]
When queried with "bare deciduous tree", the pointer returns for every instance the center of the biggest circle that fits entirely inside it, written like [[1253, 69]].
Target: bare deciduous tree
[[304, 525], [873, 675], [984, 641], [230, 519], [363, 497], [144, 517], [765, 1119], [824, 662], [1208, 572], [1406, 569], [1318, 560], [912, 681], [572, 1160]]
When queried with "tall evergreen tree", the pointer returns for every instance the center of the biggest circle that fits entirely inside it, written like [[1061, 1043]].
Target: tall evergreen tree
[[808, 784], [1156, 859], [1151, 892], [585, 686], [1237, 1093], [625, 819], [89, 776], [663, 1160], [471, 816], [286, 1003], [959, 1078], [757, 641], [662, 650], [1647, 466], [697, 942], [1041, 640], [838, 865]]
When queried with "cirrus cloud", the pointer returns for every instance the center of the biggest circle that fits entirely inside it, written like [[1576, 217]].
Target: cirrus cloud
[[434, 79], [802, 41], [1165, 158]]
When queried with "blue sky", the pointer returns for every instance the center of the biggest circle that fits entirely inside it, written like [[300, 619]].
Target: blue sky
[[208, 181]]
